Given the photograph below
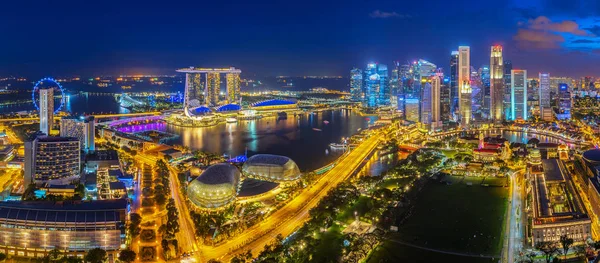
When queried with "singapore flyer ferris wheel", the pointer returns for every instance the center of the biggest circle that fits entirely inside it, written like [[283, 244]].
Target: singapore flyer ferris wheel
[[48, 83]]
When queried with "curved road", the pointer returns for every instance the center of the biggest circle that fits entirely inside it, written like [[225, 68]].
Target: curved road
[[290, 217]]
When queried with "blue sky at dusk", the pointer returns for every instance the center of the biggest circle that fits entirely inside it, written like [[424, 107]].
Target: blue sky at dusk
[[292, 37]]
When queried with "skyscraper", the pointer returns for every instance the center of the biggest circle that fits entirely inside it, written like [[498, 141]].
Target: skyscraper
[[233, 87], [454, 83], [518, 102], [426, 101], [53, 160], [445, 101], [376, 86], [497, 88], [507, 89], [412, 107], [436, 86], [356, 83], [564, 102], [484, 74], [464, 82], [544, 97], [46, 110], [213, 87], [81, 128]]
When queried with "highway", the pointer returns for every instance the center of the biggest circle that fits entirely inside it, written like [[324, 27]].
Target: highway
[[290, 217], [186, 237], [98, 116], [514, 235]]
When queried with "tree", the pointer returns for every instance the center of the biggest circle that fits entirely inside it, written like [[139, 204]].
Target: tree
[[549, 249], [96, 255], [134, 224], [566, 243], [2, 256], [127, 255]]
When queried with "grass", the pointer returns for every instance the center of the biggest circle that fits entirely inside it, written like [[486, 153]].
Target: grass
[[392, 184], [457, 218], [329, 246], [361, 206]]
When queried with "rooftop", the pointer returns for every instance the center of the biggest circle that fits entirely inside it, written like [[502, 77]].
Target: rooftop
[[268, 159]]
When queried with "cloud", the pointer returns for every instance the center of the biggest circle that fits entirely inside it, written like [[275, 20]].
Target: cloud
[[543, 33], [535, 39], [545, 24], [594, 29], [382, 14], [583, 41]]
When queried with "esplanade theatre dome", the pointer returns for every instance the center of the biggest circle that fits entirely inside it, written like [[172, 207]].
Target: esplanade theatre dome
[[273, 168], [217, 186]]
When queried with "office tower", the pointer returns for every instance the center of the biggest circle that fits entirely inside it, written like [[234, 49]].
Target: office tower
[[53, 160], [356, 83], [213, 87], [454, 82], [507, 89], [436, 86], [464, 82], [46, 110], [426, 101], [564, 102], [518, 100], [395, 80], [376, 86], [484, 74], [445, 102], [412, 107], [555, 81], [477, 93], [233, 88], [81, 128], [544, 97], [497, 88]]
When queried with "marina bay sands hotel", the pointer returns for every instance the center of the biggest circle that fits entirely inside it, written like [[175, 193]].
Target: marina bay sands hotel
[[202, 87]]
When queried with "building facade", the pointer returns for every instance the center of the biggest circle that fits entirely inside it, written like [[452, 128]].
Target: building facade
[[46, 110], [413, 109], [518, 94], [233, 88], [464, 82], [436, 86], [507, 89], [203, 85], [445, 102], [376, 86], [82, 128], [564, 102], [454, 82], [497, 88], [356, 83], [53, 160], [544, 97]]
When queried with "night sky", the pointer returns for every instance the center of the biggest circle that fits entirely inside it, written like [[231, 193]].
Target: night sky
[[292, 37]]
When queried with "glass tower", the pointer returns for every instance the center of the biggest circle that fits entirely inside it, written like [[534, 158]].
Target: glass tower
[[518, 94]]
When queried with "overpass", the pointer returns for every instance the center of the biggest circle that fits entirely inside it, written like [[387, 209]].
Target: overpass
[[97, 116], [445, 134], [295, 213]]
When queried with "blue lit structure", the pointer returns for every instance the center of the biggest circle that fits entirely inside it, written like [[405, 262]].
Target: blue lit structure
[[202, 110], [36, 87], [228, 108], [376, 86], [273, 102]]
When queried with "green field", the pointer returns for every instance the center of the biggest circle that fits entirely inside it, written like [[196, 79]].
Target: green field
[[395, 183], [457, 218]]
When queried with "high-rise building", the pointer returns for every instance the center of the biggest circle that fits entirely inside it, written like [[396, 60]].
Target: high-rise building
[[426, 101], [454, 82], [445, 102], [46, 110], [213, 87], [53, 160], [413, 108], [507, 89], [464, 82], [395, 79], [564, 102], [81, 128], [356, 83], [497, 88], [544, 97], [484, 74], [436, 86], [477, 94], [518, 100], [233, 88], [376, 86]]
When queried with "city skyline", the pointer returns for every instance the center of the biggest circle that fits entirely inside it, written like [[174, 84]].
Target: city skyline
[[277, 39]]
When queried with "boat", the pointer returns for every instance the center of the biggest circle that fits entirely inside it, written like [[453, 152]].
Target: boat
[[231, 120], [317, 129], [338, 145], [326, 122]]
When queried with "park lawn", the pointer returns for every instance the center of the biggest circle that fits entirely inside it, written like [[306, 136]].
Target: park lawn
[[449, 152], [458, 218], [361, 206], [392, 252], [394, 183], [330, 245], [496, 181]]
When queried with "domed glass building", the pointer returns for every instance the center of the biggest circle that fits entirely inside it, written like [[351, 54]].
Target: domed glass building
[[273, 168], [216, 187]]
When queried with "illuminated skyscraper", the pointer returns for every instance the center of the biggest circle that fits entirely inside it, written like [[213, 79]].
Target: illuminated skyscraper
[[563, 102], [356, 84], [497, 88], [464, 82], [436, 86], [518, 102], [445, 101], [412, 107], [544, 97], [376, 86], [484, 74], [507, 89], [46, 110], [426, 101], [233, 88], [213, 87], [454, 82], [81, 128]]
